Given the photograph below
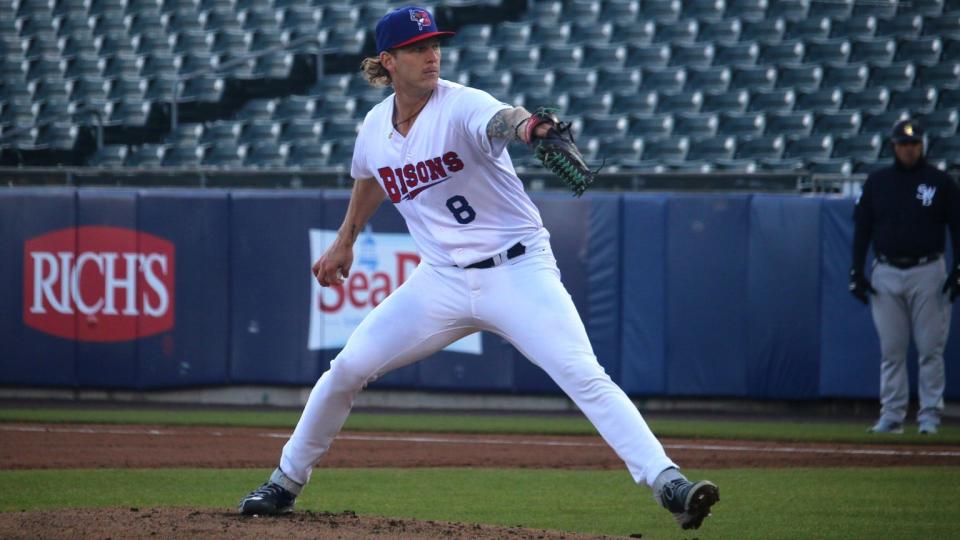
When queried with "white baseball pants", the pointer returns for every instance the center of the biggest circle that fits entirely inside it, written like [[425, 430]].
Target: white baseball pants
[[522, 300]]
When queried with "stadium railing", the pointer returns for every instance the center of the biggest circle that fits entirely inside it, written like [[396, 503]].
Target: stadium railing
[[801, 182]]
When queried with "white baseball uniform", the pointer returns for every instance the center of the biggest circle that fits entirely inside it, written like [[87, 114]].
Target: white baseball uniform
[[463, 203]]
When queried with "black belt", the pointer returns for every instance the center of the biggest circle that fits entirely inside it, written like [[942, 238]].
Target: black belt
[[907, 262], [515, 251]]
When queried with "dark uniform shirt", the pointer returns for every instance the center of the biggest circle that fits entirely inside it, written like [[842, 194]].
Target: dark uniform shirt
[[905, 212]]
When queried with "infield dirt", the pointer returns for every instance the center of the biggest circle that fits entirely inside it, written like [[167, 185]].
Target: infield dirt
[[59, 446]]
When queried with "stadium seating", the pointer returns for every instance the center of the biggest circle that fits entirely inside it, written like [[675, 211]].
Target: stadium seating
[[742, 124], [651, 125], [613, 79], [679, 102], [695, 124], [660, 10], [800, 76], [806, 147], [789, 123], [762, 77], [895, 76], [779, 99], [758, 148], [666, 149], [947, 148], [511, 58], [862, 147], [649, 82], [770, 30], [110, 155], [730, 101], [712, 148], [822, 51], [624, 149], [941, 123], [857, 26], [147, 155], [809, 28], [605, 127], [742, 53], [646, 55], [182, 156], [825, 99], [309, 154], [722, 30]]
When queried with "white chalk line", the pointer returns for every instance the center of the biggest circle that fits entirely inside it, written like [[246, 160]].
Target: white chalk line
[[513, 442]]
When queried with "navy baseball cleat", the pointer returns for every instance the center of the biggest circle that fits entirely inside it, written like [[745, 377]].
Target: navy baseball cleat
[[273, 498], [688, 502], [268, 500]]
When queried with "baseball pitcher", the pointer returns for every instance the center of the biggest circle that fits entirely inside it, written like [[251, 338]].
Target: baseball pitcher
[[437, 151]]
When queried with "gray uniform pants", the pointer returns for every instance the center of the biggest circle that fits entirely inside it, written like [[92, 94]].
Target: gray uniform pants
[[910, 301]]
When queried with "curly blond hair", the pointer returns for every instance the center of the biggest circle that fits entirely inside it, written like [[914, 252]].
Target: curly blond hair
[[374, 72]]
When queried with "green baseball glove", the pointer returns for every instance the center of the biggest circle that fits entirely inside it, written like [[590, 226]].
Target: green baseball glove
[[558, 151]]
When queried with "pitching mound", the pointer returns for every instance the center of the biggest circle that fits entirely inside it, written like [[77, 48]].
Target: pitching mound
[[186, 523]]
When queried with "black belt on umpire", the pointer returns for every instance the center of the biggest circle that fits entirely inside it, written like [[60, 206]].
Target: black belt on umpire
[[515, 251], [907, 262]]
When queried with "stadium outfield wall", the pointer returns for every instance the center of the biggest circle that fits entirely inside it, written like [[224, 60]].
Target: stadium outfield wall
[[684, 295]]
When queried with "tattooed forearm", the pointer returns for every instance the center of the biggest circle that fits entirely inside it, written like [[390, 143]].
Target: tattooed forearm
[[366, 197], [504, 124]]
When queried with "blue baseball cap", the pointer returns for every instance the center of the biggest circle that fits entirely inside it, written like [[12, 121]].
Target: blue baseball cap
[[404, 26]]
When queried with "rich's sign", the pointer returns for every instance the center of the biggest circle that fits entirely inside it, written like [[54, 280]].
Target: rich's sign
[[97, 283]]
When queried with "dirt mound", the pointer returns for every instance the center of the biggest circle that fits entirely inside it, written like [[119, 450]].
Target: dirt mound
[[217, 523]]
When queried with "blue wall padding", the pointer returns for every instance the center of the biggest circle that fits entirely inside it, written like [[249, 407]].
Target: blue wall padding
[[29, 356], [270, 285], [643, 324], [712, 295], [196, 352], [849, 348], [110, 365], [707, 294], [782, 314], [603, 313]]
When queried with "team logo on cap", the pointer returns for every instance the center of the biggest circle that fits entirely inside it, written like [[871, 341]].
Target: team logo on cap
[[908, 130], [422, 18]]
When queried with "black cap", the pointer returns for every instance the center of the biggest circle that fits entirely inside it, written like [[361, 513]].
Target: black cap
[[907, 131]]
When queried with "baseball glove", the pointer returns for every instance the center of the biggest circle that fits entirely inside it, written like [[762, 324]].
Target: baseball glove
[[558, 151]]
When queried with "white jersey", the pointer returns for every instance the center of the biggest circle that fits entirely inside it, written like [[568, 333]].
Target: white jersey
[[455, 188]]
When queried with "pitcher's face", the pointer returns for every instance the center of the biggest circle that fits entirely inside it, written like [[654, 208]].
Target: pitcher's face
[[416, 67]]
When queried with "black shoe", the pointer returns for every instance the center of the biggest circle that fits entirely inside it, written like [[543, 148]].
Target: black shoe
[[688, 502], [268, 500]]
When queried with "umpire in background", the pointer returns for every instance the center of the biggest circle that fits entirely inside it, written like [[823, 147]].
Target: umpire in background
[[904, 210]]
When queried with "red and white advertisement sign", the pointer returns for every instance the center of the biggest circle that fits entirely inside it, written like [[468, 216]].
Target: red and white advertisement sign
[[97, 283], [381, 263]]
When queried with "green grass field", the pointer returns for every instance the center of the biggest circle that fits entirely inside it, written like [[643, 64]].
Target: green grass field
[[850, 503]]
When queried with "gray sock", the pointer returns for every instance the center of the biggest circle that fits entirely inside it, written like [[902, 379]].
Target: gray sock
[[667, 475], [285, 482]]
